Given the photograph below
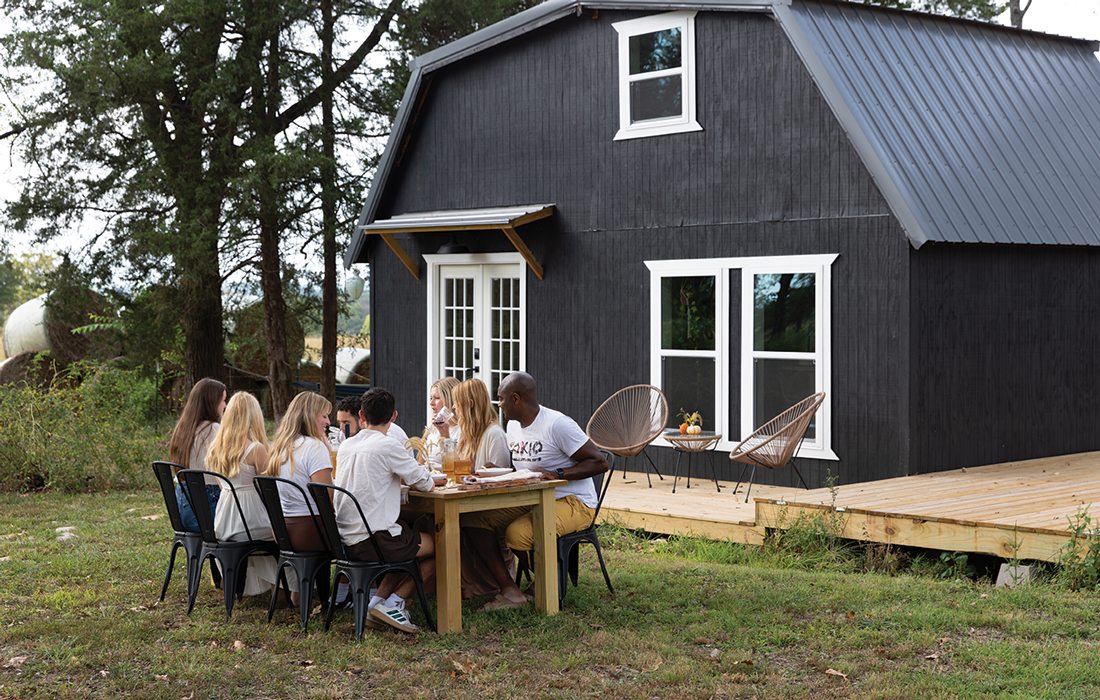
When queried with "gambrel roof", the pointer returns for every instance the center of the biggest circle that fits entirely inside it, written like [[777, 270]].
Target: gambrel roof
[[974, 132]]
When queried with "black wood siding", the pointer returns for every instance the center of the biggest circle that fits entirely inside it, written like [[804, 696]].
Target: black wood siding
[[771, 174], [1004, 357]]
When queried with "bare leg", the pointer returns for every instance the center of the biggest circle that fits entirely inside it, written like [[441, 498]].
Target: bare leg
[[486, 545]]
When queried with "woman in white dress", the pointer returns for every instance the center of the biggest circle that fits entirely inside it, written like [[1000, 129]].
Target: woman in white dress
[[238, 453]]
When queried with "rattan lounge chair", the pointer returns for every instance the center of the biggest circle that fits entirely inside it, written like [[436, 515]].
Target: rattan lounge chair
[[628, 421], [775, 444]]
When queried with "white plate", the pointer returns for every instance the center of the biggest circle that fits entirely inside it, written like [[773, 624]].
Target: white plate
[[493, 471]]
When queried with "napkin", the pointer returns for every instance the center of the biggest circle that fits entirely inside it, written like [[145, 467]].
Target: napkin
[[518, 475]]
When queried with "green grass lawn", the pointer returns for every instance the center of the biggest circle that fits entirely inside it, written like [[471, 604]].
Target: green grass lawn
[[80, 618]]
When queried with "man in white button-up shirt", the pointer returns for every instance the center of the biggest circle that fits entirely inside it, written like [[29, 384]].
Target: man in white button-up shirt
[[372, 466]]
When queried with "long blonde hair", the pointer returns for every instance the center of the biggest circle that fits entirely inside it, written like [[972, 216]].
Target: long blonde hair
[[446, 387], [475, 415], [300, 420], [242, 425]]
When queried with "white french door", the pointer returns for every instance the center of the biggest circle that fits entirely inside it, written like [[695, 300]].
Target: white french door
[[476, 320]]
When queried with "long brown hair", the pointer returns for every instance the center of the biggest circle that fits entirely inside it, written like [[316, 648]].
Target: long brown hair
[[475, 414], [300, 420], [201, 407], [242, 425], [446, 387]]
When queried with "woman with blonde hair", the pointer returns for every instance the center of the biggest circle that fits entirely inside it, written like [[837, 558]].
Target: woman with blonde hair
[[238, 453], [191, 440], [440, 396], [485, 443], [481, 439], [300, 453]]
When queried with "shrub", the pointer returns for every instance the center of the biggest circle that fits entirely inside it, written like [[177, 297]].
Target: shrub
[[91, 430]]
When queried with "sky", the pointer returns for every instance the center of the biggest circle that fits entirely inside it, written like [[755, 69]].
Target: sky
[[1076, 18]]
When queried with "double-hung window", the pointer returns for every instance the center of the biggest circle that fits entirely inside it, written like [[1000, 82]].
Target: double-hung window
[[656, 75], [739, 376]]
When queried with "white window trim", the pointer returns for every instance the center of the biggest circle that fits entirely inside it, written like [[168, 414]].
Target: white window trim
[[435, 262], [686, 121], [820, 265]]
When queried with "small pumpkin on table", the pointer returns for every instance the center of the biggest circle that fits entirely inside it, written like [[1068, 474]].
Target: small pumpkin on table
[[691, 423]]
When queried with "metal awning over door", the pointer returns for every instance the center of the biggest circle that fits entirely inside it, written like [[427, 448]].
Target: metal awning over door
[[504, 219]]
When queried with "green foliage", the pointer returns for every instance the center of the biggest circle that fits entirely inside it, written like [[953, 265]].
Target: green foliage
[[986, 10], [1079, 560], [22, 278], [93, 429]]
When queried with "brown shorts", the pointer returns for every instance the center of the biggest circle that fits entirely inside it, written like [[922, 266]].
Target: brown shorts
[[403, 547], [304, 534]]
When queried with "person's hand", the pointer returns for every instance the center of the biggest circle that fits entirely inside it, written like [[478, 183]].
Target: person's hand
[[444, 429], [549, 475]]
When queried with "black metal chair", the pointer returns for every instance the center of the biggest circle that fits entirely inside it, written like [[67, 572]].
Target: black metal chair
[[191, 542], [569, 544], [359, 574], [308, 566], [231, 556]]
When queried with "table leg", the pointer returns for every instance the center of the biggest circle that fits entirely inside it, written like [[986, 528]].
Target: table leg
[[546, 553], [448, 568]]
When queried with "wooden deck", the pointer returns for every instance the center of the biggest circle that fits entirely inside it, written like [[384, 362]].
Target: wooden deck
[[1020, 508]]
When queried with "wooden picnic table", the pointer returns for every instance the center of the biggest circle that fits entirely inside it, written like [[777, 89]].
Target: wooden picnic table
[[448, 504]]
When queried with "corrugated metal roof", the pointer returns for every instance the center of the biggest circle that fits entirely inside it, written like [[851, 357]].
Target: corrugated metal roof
[[451, 219], [973, 132]]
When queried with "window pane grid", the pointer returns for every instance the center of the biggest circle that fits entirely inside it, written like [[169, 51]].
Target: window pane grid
[[458, 331]]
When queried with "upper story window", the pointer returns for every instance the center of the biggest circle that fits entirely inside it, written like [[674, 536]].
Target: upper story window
[[656, 75]]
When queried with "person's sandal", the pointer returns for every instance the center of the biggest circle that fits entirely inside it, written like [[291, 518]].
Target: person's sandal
[[502, 603]]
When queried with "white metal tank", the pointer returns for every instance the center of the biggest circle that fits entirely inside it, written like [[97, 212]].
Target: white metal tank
[[25, 328]]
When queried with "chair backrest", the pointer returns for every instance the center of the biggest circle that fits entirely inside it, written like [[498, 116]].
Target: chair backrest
[[774, 443], [323, 495], [166, 477], [194, 484], [602, 481], [268, 488], [629, 419]]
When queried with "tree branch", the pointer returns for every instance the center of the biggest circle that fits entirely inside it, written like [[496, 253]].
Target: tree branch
[[345, 70]]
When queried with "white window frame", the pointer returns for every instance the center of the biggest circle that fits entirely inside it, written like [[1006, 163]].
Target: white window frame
[[726, 362], [435, 262], [686, 121]]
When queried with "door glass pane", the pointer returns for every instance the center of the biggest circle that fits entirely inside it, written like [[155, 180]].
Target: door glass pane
[[656, 98], [779, 385], [688, 384], [687, 313], [655, 51], [783, 312], [457, 331]]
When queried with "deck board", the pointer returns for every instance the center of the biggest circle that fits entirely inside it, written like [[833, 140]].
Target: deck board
[[1016, 507]]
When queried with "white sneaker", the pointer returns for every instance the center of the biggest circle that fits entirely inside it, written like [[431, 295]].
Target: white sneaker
[[394, 616]]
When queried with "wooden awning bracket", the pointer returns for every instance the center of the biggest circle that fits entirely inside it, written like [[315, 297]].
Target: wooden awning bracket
[[508, 228]]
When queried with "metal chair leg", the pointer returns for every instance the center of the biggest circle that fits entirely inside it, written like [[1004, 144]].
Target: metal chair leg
[[676, 476]]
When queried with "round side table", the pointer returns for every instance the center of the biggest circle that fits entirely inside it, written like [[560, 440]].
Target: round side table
[[691, 445]]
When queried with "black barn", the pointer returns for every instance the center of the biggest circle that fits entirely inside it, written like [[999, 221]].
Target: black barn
[[744, 202]]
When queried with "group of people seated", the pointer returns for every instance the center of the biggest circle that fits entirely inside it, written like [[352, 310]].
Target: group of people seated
[[373, 462]]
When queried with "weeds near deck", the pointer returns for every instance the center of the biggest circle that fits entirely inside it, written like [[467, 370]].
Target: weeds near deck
[[815, 540], [1079, 562]]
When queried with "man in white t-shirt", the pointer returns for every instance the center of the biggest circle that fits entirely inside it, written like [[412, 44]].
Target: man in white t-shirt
[[545, 440], [372, 465]]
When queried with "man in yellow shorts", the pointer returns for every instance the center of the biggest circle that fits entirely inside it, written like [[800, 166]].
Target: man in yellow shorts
[[547, 441]]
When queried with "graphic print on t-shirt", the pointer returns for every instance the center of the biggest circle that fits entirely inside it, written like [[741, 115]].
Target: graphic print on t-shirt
[[526, 451]]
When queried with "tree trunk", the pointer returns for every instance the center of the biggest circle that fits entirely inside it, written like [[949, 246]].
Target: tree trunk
[[1016, 13], [271, 281], [198, 270], [329, 310]]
